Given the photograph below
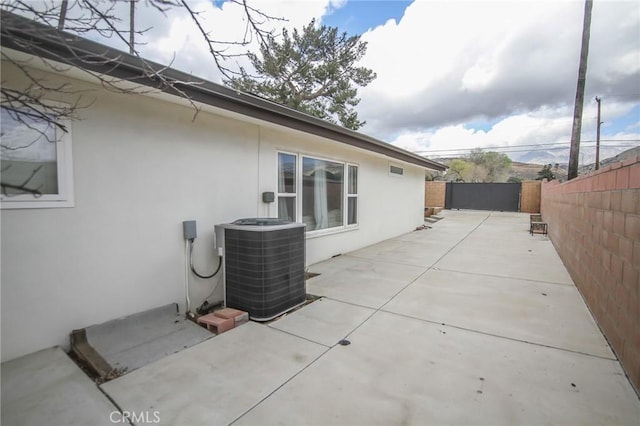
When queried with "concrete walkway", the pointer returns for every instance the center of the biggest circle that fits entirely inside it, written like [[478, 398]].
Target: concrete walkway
[[473, 321]]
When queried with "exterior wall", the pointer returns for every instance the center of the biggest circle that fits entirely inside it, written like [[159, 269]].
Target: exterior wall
[[434, 193], [141, 167], [388, 204], [530, 196], [594, 223]]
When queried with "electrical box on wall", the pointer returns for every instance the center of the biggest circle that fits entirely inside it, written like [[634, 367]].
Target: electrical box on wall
[[189, 229], [268, 197]]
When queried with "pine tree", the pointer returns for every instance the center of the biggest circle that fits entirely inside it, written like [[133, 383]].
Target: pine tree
[[313, 71], [546, 173]]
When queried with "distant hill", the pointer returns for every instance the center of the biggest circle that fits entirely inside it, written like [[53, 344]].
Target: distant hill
[[556, 155], [529, 170], [542, 157], [624, 155]]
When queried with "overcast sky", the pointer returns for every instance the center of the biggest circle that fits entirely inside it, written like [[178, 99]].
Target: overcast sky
[[453, 74], [501, 73]]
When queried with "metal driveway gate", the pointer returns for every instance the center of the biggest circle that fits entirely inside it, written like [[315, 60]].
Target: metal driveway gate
[[483, 196]]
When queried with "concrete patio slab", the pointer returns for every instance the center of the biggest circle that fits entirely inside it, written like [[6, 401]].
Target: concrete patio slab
[[415, 253], [424, 247], [519, 255], [216, 381], [364, 282], [499, 337], [531, 311], [324, 321], [130, 342], [432, 236], [401, 370], [48, 388]]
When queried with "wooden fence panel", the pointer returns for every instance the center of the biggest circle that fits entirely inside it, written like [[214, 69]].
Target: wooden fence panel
[[434, 193], [530, 196]]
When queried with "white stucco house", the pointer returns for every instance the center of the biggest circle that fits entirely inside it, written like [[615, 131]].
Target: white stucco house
[[105, 239]]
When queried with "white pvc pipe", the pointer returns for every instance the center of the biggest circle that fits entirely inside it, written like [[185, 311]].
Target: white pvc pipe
[[186, 275]]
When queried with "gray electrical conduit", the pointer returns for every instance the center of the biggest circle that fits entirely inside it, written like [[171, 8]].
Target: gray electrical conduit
[[193, 269], [189, 253]]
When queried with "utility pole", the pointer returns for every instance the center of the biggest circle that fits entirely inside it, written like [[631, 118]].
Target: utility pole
[[582, 77], [63, 14], [598, 136], [132, 26]]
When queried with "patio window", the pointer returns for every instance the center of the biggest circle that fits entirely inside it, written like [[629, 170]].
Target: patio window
[[321, 193], [35, 157]]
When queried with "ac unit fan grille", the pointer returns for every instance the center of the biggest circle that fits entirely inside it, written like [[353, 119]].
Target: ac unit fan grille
[[264, 271]]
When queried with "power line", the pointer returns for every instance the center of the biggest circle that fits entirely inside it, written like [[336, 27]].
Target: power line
[[527, 145], [557, 148]]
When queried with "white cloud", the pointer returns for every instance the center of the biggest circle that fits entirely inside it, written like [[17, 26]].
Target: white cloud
[[450, 62], [229, 24], [173, 37], [445, 64], [542, 129], [337, 4]]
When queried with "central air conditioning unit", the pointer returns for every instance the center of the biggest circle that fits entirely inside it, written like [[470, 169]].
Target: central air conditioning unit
[[264, 260]]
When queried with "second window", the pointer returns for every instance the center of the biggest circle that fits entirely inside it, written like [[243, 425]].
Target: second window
[[329, 192]]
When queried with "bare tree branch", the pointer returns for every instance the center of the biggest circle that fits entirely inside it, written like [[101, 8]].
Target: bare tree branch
[[87, 16], [50, 35], [218, 49], [21, 188]]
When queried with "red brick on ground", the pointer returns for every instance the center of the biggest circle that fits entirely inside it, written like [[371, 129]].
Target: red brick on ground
[[216, 324], [240, 317]]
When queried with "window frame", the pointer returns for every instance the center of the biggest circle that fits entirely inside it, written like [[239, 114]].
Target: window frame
[[296, 181], [64, 167], [300, 188], [352, 196], [397, 167]]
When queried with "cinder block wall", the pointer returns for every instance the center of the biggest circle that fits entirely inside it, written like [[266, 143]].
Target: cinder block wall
[[594, 224], [434, 193]]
